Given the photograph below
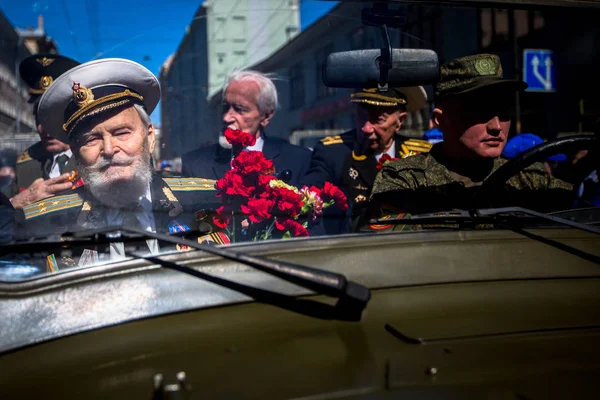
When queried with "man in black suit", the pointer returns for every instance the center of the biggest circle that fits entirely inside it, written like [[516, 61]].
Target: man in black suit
[[249, 103]]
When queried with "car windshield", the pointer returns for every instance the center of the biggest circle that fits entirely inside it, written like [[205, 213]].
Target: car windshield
[[235, 121]]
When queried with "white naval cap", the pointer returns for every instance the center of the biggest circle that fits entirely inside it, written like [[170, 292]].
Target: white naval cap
[[93, 88]]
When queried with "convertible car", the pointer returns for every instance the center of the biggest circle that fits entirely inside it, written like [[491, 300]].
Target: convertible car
[[494, 303]]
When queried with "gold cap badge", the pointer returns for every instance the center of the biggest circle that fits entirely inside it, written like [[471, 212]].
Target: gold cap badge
[[82, 95], [45, 82]]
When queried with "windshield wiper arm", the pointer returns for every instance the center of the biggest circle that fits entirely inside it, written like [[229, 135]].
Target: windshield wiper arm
[[353, 297], [498, 216], [484, 216], [526, 211], [307, 307]]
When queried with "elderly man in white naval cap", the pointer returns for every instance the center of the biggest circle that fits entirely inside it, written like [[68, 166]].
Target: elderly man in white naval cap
[[101, 108]]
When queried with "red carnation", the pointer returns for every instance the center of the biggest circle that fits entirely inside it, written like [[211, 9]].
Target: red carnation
[[248, 162], [295, 228], [263, 189], [316, 190], [222, 218], [232, 184], [258, 209], [288, 202], [239, 138], [332, 192], [384, 159]]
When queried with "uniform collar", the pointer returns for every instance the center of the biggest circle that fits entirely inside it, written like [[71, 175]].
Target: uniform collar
[[390, 152]]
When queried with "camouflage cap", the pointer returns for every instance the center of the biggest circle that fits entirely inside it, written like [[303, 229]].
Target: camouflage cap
[[466, 74]]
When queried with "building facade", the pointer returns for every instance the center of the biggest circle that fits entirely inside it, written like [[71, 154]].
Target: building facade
[[224, 35], [307, 105], [17, 124], [16, 118], [184, 86], [574, 38], [243, 32]]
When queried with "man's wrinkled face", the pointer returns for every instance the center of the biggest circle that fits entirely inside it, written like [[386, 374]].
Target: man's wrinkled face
[[240, 109], [376, 126], [115, 153], [476, 125]]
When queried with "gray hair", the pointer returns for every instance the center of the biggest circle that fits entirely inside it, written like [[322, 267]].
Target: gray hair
[[267, 97], [143, 114]]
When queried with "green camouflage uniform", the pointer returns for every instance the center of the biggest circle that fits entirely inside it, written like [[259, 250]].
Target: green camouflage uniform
[[423, 183], [430, 182]]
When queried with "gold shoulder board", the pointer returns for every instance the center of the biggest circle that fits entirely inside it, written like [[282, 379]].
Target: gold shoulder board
[[422, 146], [190, 184], [52, 204], [23, 157], [327, 140]]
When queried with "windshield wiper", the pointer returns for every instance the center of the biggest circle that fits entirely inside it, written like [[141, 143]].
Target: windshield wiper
[[485, 216], [513, 218], [352, 297]]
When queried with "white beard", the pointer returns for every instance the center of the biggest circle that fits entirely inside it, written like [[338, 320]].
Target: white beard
[[120, 193]]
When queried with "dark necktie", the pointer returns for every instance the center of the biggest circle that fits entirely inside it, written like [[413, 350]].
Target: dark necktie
[[62, 163], [131, 220]]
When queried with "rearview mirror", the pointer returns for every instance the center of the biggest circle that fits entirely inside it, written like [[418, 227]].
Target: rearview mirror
[[360, 68]]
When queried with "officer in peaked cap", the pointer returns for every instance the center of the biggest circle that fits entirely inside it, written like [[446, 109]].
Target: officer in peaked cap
[[42, 169], [353, 159], [473, 104], [101, 108]]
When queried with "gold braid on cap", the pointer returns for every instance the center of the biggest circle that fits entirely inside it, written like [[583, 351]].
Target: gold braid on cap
[[84, 98], [376, 99]]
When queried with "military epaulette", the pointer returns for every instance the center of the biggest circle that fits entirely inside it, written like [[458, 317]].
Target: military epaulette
[[422, 146], [23, 157], [190, 184], [413, 147], [327, 140], [52, 204]]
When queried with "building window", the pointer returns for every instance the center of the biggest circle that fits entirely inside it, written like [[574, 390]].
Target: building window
[[485, 18], [501, 24], [219, 32], [238, 29], [538, 20], [320, 88], [296, 86], [521, 23]]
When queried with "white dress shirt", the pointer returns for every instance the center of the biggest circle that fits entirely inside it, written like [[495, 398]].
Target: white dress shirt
[[258, 146], [55, 171], [390, 152]]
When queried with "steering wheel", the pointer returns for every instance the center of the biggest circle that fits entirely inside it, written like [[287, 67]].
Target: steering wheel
[[496, 181]]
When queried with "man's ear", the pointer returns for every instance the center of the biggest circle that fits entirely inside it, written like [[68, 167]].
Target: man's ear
[[266, 119], [151, 138], [401, 118], [437, 117]]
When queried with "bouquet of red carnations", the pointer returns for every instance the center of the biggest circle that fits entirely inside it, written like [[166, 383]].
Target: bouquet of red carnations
[[258, 205]]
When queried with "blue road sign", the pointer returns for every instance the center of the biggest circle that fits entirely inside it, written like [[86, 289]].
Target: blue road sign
[[538, 70]]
